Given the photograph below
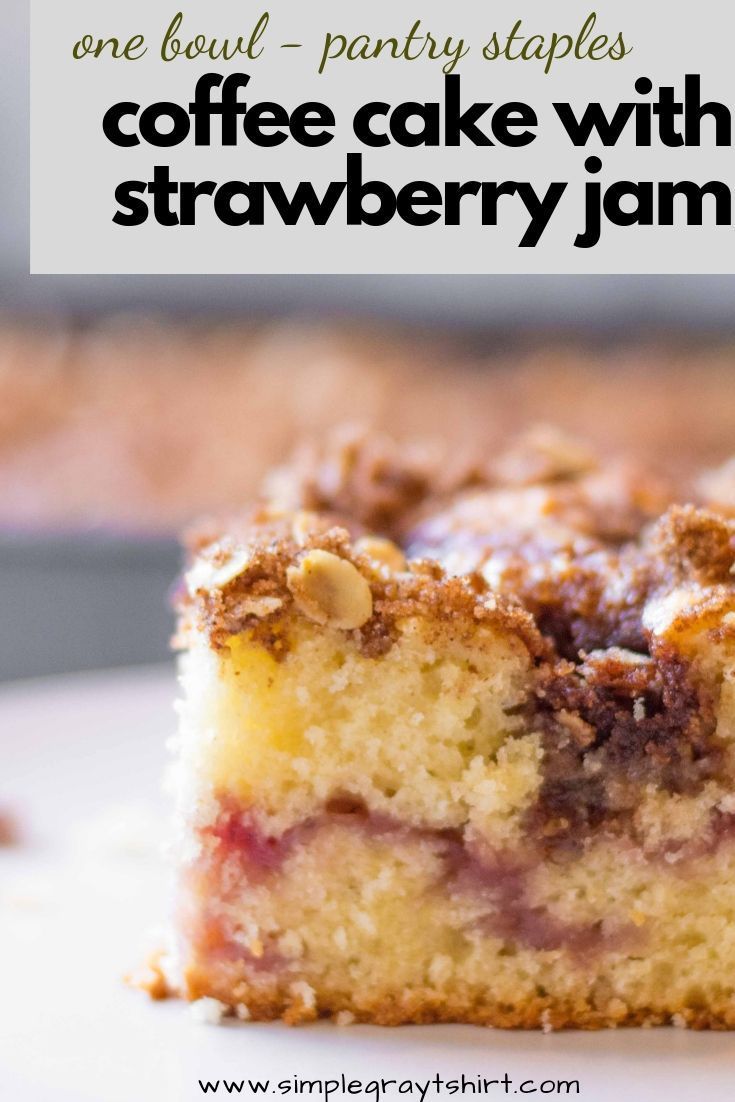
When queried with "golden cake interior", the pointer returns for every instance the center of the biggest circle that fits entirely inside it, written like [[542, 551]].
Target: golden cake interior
[[460, 752]]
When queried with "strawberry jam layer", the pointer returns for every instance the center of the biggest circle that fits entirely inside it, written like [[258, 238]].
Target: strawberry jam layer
[[238, 854]]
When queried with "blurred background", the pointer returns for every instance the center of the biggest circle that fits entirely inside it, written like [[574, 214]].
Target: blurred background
[[130, 405]]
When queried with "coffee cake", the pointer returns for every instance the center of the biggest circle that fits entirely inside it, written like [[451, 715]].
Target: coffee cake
[[461, 749]]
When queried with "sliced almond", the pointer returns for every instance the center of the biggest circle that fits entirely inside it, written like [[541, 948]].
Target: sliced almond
[[219, 571], [330, 590], [382, 551]]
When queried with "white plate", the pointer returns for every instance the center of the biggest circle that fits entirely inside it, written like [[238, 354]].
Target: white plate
[[80, 761]]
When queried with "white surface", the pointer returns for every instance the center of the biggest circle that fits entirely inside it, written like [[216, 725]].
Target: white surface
[[80, 759]]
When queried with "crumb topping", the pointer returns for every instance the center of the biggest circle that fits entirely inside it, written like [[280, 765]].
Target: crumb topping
[[358, 592], [585, 551]]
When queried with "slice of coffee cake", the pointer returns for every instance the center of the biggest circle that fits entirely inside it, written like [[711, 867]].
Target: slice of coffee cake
[[460, 753]]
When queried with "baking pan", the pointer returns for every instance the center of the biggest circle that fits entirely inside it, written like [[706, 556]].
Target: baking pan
[[83, 600]]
